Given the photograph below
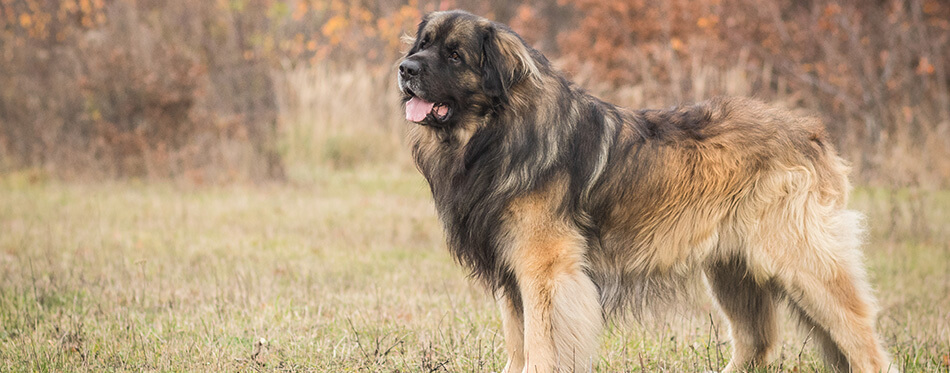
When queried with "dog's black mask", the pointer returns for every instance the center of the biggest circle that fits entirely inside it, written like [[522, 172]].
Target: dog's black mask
[[460, 67]]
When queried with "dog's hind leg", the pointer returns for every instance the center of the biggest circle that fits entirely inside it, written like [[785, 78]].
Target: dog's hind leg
[[834, 358], [817, 265], [837, 303], [750, 308]]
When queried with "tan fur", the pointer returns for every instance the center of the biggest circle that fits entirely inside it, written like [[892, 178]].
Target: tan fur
[[562, 313], [748, 195], [524, 66], [513, 324]]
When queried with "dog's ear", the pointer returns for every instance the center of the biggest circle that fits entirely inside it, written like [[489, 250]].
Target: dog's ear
[[412, 41], [506, 61]]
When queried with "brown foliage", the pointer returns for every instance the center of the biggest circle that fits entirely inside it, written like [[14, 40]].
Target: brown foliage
[[127, 89], [156, 88]]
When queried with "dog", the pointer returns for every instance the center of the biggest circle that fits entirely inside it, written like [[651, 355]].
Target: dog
[[571, 210]]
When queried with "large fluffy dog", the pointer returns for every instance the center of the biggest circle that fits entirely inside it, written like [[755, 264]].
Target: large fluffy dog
[[571, 209]]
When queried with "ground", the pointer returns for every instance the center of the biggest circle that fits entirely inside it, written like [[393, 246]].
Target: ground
[[348, 271]]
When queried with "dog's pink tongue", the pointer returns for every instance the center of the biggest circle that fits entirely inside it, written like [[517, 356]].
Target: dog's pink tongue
[[417, 109]]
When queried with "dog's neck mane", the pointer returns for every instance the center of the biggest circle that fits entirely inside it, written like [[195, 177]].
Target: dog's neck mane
[[475, 169]]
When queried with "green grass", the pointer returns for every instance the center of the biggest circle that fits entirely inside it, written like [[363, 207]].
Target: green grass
[[347, 271]]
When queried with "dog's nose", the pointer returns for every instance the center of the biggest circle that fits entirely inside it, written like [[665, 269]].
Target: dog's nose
[[409, 68]]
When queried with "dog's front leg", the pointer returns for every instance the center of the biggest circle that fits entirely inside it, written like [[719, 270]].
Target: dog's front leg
[[561, 309], [562, 321], [512, 322]]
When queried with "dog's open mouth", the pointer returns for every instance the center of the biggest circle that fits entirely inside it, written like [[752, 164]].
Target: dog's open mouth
[[418, 109]]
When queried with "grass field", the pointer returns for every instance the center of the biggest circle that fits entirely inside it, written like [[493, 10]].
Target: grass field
[[347, 271]]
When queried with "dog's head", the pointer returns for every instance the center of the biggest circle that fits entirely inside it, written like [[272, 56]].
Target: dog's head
[[461, 67]]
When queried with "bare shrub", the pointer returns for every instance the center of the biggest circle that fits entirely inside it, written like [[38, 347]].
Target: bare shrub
[[229, 89], [144, 89]]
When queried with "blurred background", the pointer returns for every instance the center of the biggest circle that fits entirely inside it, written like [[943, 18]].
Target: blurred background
[[250, 90], [224, 185]]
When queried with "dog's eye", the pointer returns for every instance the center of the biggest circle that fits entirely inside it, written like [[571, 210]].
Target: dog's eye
[[425, 40], [455, 57]]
